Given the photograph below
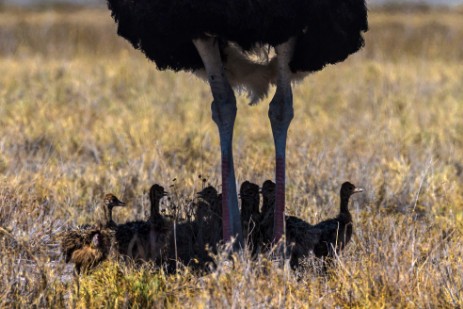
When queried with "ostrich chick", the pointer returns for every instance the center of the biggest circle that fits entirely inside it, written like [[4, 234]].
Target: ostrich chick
[[159, 228], [83, 236], [250, 215], [301, 236], [110, 201], [337, 232], [208, 222], [92, 254]]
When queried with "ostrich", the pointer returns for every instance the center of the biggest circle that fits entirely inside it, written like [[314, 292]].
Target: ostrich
[[214, 39], [129, 241], [268, 211], [90, 255], [250, 215], [86, 246], [208, 222], [302, 237], [88, 239], [145, 240], [336, 232], [192, 238], [160, 228], [110, 201], [156, 193]]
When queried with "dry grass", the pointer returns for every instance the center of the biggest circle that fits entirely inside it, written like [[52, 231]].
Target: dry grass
[[82, 114]]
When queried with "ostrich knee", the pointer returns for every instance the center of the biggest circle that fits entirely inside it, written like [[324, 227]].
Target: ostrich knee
[[281, 113]]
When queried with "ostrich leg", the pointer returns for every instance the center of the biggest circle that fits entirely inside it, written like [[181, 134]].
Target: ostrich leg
[[281, 113], [224, 114]]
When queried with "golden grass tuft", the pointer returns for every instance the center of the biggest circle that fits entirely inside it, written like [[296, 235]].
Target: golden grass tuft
[[82, 114]]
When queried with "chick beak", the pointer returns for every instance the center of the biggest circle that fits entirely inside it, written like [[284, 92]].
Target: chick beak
[[357, 190]]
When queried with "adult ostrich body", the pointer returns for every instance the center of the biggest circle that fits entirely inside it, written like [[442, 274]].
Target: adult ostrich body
[[213, 38]]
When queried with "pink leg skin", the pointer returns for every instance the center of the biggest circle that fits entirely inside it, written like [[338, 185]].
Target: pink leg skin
[[279, 199], [227, 225]]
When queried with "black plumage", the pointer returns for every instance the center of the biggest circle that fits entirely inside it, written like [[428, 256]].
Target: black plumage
[[146, 240], [156, 193], [337, 232], [301, 236], [327, 31], [192, 241], [181, 246], [129, 240], [160, 227], [250, 214], [267, 214], [208, 223]]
